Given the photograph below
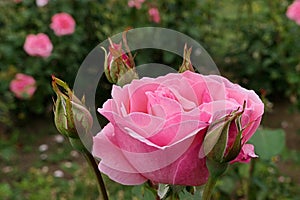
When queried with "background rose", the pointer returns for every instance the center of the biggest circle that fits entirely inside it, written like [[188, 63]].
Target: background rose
[[154, 15], [135, 3], [293, 11], [41, 3], [157, 127], [62, 24], [23, 86], [38, 45]]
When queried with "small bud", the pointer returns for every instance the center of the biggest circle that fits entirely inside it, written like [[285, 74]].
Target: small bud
[[119, 67], [186, 64], [70, 114]]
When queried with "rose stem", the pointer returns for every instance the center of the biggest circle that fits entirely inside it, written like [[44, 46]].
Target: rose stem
[[250, 177], [92, 163], [208, 189]]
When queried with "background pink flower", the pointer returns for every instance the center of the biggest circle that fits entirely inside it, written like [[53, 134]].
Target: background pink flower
[[23, 86], [293, 12], [38, 45], [135, 3], [62, 24], [41, 3], [154, 15]]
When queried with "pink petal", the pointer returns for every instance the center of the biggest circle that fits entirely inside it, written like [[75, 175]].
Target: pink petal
[[109, 153], [122, 177], [247, 152]]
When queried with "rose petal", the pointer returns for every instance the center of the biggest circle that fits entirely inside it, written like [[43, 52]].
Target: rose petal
[[122, 177], [110, 154]]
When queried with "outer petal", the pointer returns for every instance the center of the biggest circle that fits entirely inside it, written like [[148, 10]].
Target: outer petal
[[109, 153], [122, 177], [188, 169]]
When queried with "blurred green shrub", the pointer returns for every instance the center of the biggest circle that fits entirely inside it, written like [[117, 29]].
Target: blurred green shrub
[[258, 46], [252, 42]]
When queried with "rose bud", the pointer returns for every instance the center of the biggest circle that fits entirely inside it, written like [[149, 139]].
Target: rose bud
[[223, 143], [71, 117], [186, 64], [215, 141], [118, 66]]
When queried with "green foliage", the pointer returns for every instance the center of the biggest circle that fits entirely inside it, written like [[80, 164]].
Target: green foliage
[[258, 46], [268, 143], [258, 180]]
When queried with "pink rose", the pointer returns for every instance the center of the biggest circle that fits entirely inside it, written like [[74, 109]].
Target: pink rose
[[293, 12], [247, 152], [154, 15], [41, 3], [135, 3], [157, 127], [62, 24], [38, 45], [23, 86]]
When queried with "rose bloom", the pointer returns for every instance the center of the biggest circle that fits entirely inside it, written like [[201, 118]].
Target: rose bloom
[[23, 86], [154, 15], [62, 24], [41, 3], [157, 127], [293, 11], [38, 45], [135, 3]]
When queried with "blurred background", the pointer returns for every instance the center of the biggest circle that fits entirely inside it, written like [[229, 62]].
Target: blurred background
[[253, 43]]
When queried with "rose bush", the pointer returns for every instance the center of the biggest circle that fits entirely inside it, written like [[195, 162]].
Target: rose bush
[[157, 127], [38, 45], [23, 86]]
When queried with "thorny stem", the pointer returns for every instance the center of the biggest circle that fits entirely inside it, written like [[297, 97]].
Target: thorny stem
[[92, 163]]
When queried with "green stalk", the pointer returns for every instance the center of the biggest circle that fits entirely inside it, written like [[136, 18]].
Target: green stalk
[[208, 189], [93, 165], [216, 170], [250, 178]]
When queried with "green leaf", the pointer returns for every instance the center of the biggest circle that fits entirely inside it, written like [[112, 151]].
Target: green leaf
[[268, 143], [188, 196], [226, 185]]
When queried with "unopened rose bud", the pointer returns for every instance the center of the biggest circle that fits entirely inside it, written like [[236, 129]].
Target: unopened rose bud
[[186, 64], [215, 144], [119, 67], [71, 117]]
